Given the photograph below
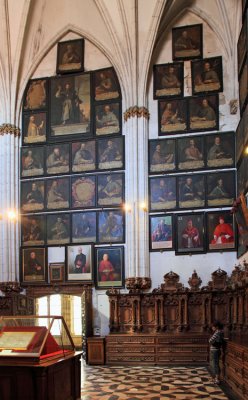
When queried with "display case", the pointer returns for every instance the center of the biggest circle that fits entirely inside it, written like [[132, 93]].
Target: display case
[[34, 339], [38, 359]]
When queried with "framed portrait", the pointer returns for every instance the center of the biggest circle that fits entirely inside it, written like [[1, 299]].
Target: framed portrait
[[84, 227], [172, 116], [241, 217], [57, 159], [162, 193], [242, 44], [242, 135], [242, 241], [110, 153], [204, 113], [187, 42], [32, 195], [190, 153], [58, 228], [109, 267], [244, 7], [162, 155], [111, 226], [243, 87], [33, 230], [35, 96], [110, 190], [106, 85], [79, 262], [242, 175], [34, 265], [221, 189], [56, 272], [83, 156], [32, 161], [220, 150], [57, 193], [161, 232], [220, 231], [34, 127], [70, 56], [108, 119], [70, 102], [207, 75], [191, 190], [190, 233], [83, 191], [168, 80]]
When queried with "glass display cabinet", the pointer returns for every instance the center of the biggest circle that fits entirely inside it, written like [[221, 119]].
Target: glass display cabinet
[[38, 360]]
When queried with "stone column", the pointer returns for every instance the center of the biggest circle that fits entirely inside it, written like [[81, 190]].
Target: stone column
[[137, 244], [9, 200]]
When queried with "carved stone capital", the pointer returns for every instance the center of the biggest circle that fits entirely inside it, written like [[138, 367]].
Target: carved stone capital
[[136, 284], [136, 111], [9, 129]]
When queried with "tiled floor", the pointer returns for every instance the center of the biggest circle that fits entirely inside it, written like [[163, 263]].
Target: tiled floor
[[148, 383]]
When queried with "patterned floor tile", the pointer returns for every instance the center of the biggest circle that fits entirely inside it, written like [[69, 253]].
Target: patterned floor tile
[[149, 383]]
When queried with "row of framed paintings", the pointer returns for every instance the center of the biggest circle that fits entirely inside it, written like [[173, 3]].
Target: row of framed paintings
[[242, 46], [66, 105], [66, 158], [206, 78], [81, 263], [242, 175], [190, 191], [78, 227], [80, 191], [189, 114], [192, 153], [242, 135], [193, 232]]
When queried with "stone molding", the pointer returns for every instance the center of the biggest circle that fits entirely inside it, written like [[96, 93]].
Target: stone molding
[[136, 111], [10, 129]]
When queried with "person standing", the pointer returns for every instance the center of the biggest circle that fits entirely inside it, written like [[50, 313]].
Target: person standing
[[216, 342], [80, 262]]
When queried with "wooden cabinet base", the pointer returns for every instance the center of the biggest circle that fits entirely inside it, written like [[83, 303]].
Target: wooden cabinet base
[[58, 380], [96, 350]]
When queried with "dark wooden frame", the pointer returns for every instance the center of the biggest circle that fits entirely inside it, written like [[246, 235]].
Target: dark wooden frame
[[99, 251], [42, 227], [117, 164], [197, 70], [159, 91], [171, 202], [180, 250], [80, 125], [66, 222], [242, 46], [177, 116], [115, 200], [227, 142], [79, 45], [229, 182], [84, 239], [80, 277], [199, 200], [40, 122], [104, 92], [87, 202], [30, 91], [104, 237], [197, 125], [37, 171], [64, 149], [158, 168], [29, 250], [64, 185], [58, 266], [85, 167], [185, 164], [243, 86], [161, 243], [212, 225], [23, 191], [192, 30], [102, 128]]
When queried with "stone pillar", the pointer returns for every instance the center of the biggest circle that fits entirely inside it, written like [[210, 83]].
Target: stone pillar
[[137, 224], [9, 195]]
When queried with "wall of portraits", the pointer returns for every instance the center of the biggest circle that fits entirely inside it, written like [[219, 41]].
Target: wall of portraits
[[191, 169], [72, 174]]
